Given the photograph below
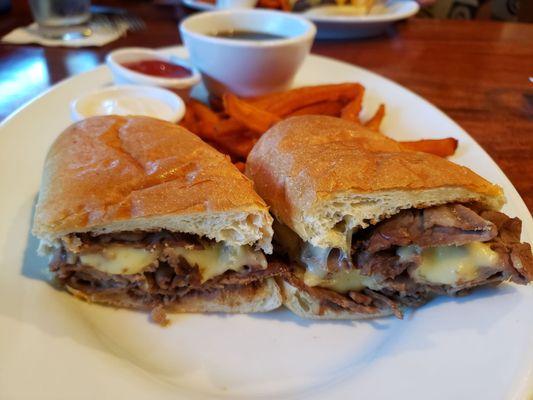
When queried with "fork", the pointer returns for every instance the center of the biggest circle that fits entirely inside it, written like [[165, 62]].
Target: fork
[[113, 18]]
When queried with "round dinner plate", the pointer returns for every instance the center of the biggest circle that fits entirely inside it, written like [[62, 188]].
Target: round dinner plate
[[340, 22], [53, 346]]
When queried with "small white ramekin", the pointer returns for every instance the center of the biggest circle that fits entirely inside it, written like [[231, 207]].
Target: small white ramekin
[[80, 107], [123, 75], [247, 67]]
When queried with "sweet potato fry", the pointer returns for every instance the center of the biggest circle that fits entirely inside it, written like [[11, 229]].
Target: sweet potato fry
[[229, 126], [189, 120], [252, 117], [199, 119], [352, 110], [203, 112], [439, 147], [285, 103], [332, 108], [285, 5], [206, 130], [273, 4], [215, 102], [374, 122], [238, 145]]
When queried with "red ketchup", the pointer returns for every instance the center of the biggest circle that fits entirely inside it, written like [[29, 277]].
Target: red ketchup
[[159, 68]]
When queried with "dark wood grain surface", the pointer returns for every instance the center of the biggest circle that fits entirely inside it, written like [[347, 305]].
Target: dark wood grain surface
[[479, 72]]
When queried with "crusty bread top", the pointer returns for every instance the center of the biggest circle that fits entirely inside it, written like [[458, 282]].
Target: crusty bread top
[[323, 176], [109, 174]]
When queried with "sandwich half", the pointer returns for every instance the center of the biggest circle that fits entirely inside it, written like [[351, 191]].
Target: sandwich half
[[370, 228], [136, 212]]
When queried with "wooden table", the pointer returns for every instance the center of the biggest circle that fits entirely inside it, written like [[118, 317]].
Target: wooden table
[[477, 72]]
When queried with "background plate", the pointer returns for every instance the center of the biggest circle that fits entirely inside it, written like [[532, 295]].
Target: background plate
[[333, 24], [53, 346]]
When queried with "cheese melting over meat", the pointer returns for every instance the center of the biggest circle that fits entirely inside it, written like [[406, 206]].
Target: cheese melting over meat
[[450, 265], [217, 259], [444, 265], [119, 259], [344, 280], [341, 282], [213, 260]]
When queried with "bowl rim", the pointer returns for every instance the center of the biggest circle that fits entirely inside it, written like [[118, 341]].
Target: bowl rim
[[179, 83], [176, 102], [308, 34]]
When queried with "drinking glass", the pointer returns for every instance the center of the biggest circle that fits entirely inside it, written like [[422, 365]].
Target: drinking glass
[[62, 19]]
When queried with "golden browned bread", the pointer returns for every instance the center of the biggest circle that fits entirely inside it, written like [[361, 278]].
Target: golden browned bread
[[323, 177], [111, 174]]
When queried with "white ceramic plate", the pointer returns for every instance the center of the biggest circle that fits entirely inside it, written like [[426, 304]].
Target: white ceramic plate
[[53, 346], [336, 22]]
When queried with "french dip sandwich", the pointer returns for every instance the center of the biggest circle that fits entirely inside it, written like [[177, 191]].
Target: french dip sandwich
[[371, 228], [136, 212]]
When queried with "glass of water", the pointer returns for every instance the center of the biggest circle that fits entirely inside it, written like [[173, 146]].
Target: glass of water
[[62, 19]]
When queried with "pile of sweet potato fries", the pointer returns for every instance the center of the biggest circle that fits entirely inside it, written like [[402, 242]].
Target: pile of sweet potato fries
[[238, 124]]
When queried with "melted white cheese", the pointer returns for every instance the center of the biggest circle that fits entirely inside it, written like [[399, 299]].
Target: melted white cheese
[[212, 261], [120, 259], [450, 265], [341, 282], [316, 258], [217, 259]]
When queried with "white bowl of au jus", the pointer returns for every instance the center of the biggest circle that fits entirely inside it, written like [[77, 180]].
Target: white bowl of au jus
[[247, 52]]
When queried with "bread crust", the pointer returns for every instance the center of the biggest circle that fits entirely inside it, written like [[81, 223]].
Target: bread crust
[[305, 305], [315, 171], [112, 173]]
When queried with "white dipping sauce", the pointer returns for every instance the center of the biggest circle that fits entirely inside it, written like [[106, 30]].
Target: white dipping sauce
[[128, 105], [129, 100]]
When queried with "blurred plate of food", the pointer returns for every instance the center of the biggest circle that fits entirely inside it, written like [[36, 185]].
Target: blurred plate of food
[[362, 19], [336, 19]]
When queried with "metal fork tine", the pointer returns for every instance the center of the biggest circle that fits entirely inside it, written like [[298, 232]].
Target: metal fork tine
[[102, 23], [106, 21], [136, 23]]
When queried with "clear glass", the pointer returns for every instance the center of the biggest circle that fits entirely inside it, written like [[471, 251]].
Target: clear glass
[[61, 18]]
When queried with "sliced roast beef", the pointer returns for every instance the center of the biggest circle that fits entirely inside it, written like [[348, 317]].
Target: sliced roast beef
[[518, 260], [360, 298], [275, 268], [385, 264], [374, 253], [330, 298], [451, 224], [168, 278], [446, 225], [86, 242], [161, 279], [380, 298]]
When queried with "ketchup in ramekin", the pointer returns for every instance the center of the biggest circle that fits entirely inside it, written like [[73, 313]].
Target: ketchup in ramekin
[[159, 68]]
